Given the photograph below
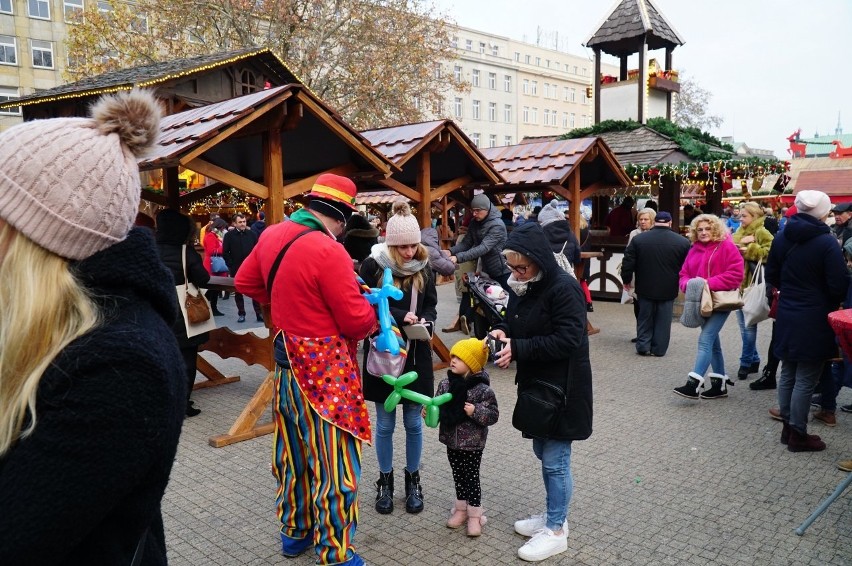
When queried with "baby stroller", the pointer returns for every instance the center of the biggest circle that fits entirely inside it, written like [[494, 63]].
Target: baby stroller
[[488, 303]]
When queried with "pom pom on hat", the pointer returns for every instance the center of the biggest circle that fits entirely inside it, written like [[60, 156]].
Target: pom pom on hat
[[473, 352], [71, 185], [550, 214], [402, 228], [813, 203]]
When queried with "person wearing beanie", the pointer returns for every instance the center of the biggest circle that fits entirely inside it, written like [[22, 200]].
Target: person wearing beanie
[[359, 237], [317, 304], [803, 338], [544, 332], [408, 260], [485, 237], [93, 384], [463, 428], [175, 233]]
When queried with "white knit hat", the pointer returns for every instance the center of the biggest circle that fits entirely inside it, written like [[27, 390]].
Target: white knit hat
[[402, 228], [813, 203], [549, 214], [71, 185]]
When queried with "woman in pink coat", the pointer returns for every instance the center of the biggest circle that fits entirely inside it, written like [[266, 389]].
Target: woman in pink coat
[[715, 258]]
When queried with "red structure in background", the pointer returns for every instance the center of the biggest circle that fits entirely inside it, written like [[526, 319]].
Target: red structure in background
[[797, 148], [840, 151]]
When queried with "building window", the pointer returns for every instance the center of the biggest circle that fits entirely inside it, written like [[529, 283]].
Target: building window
[[546, 117], [247, 83], [474, 79], [475, 113], [475, 139], [492, 81], [139, 24], [495, 50], [458, 108], [575, 69], [571, 122], [457, 73], [438, 108], [492, 111], [526, 114], [482, 47], [454, 42], [507, 113], [38, 9], [8, 52], [565, 91], [564, 119], [553, 118], [195, 35], [42, 54], [538, 61], [7, 93], [492, 140], [74, 62], [534, 88], [572, 96], [534, 115], [585, 72], [527, 59], [526, 87], [507, 83], [517, 56], [507, 140], [5, 6], [73, 10], [438, 72], [468, 44], [583, 98]]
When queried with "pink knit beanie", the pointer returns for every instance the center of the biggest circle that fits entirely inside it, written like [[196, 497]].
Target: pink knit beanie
[[402, 228], [71, 185]]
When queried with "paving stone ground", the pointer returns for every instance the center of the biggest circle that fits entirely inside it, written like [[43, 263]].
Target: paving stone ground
[[662, 480]]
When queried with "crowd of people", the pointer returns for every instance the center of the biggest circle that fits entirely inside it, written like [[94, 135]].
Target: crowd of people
[[92, 341]]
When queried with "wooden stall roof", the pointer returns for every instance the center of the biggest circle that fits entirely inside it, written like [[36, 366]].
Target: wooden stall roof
[[158, 73], [630, 20], [831, 176], [227, 138], [454, 155], [527, 165]]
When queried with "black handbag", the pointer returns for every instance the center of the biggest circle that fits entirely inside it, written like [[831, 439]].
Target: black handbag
[[540, 410]]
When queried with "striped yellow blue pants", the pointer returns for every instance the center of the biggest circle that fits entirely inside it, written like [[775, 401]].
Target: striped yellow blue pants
[[318, 467]]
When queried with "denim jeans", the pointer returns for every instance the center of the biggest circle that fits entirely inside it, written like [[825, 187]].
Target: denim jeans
[[749, 335], [385, 424], [555, 456], [709, 346], [796, 384], [830, 383]]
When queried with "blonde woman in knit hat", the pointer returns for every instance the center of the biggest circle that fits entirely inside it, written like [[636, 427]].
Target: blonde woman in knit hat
[[92, 384], [408, 259], [464, 428]]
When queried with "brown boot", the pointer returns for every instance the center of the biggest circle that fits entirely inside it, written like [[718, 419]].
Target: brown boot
[[804, 442], [775, 413], [825, 417], [459, 515], [785, 433], [475, 521], [454, 327]]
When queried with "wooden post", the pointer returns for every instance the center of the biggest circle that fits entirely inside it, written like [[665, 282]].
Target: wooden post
[[574, 211], [643, 80], [669, 95], [669, 200], [596, 83], [424, 187], [622, 68], [171, 187], [273, 175]]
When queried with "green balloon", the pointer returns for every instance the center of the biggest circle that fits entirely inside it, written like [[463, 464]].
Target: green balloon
[[441, 399], [393, 399], [432, 416]]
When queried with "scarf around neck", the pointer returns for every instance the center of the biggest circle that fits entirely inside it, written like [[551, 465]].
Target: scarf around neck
[[520, 287], [452, 413], [381, 254]]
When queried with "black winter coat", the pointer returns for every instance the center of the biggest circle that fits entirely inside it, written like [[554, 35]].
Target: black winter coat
[[559, 234], [420, 351], [806, 265], [84, 486], [236, 247], [547, 328], [655, 256], [172, 233]]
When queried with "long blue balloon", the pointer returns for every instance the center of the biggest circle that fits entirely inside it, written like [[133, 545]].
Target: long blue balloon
[[387, 340]]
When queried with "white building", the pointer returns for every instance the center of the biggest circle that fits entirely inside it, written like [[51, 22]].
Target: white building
[[517, 89]]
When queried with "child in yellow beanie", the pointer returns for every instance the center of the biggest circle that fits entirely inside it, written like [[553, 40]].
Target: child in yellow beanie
[[464, 428]]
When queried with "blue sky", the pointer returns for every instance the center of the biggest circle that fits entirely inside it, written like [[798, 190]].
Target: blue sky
[[771, 67]]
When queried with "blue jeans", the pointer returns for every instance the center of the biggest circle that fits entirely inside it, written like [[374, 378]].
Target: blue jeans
[[709, 346], [796, 384], [749, 335], [385, 424], [555, 456]]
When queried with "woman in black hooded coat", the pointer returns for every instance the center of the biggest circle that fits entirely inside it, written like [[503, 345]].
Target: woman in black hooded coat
[[175, 230], [545, 332]]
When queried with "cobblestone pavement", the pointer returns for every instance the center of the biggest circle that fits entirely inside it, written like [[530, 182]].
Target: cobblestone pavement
[[662, 480]]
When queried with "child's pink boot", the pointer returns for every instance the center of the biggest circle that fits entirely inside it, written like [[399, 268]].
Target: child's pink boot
[[458, 514], [475, 521]]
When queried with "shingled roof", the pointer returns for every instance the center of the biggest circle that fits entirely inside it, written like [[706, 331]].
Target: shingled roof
[[161, 72], [629, 21]]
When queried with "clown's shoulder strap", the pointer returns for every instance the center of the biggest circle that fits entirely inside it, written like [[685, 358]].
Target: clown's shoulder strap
[[274, 269]]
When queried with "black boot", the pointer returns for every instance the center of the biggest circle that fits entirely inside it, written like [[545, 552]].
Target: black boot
[[718, 387], [766, 381], [384, 493], [690, 390], [413, 492]]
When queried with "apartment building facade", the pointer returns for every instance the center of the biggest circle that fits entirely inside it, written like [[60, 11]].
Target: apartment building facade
[[517, 89]]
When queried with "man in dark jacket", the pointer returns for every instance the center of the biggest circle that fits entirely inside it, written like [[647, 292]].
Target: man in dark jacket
[[236, 246], [485, 238], [656, 257], [842, 228], [259, 225]]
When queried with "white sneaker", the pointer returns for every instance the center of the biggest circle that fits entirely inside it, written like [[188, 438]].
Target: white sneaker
[[529, 527], [543, 544]]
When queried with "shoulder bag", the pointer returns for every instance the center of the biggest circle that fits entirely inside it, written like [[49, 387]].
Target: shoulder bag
[[381, 363], [755, 305], [218, 265], [197, 313], [722, 300]]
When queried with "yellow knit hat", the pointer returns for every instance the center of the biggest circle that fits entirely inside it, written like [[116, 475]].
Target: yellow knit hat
[[473, 352]]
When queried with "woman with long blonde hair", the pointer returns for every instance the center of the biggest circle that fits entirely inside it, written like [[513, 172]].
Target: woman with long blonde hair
[[408, 260], [92, 393]]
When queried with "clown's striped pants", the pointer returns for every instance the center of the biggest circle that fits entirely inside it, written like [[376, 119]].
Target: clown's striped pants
[[318, 467]]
